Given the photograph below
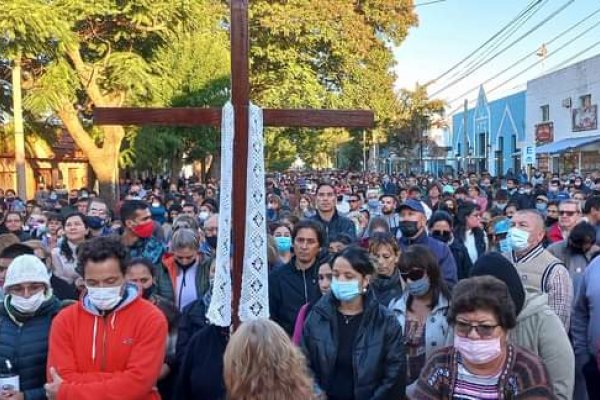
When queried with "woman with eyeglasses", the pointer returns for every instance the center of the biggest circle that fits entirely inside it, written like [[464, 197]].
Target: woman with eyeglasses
[[423, 308], [352, 343], [482, 363]]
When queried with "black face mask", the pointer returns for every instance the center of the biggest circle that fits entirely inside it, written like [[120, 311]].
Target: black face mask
[[146, 293], [72, 202], [551, 221], [212, 241], [409, 229], [185, 266], [576, 248], [445, 236]]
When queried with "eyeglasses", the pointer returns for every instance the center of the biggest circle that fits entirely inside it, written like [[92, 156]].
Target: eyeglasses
[[567, 213], [414, 274], [484, 330]]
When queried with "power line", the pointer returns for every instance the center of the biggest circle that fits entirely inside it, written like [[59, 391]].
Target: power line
[[527, 9], [519, 61], [542, 60], [426, 3], [483, 63], [493, 47]]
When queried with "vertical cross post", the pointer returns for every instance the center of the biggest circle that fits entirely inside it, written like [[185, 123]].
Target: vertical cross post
[[240, 93]]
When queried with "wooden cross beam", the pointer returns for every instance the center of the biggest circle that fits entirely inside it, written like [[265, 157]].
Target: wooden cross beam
[[240, 90]]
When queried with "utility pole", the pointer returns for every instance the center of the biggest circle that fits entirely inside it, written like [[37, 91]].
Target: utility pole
[[465, 148], [19, 131], [364, 151]]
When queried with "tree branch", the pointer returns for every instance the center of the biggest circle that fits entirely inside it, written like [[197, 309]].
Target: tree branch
[[83, 140], [87, 77]]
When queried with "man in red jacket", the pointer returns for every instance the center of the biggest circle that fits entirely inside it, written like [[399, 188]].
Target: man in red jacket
[[111, 344]]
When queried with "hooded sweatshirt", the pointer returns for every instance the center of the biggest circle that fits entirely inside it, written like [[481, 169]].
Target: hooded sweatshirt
[[113, 356], [540, 331]]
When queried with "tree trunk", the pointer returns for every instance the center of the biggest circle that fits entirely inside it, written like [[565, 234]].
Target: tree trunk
[[19, 131], [106, 172]]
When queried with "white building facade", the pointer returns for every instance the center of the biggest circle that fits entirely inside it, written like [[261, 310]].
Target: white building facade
[[562, 118]]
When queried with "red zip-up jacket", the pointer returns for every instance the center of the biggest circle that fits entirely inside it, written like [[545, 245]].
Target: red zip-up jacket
[[117, 356]]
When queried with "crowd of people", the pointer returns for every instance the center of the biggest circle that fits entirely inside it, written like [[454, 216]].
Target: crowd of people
[[380, 287]]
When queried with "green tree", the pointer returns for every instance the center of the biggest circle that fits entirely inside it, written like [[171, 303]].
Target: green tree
[[415, 110], [106, 62], [28, 39], [337, 55]]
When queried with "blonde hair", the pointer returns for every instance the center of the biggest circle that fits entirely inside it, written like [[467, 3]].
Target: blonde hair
[[261, 363]]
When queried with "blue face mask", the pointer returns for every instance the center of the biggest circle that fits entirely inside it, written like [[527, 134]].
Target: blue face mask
[[373, 203], [345, 290], [419, 287], [504, 246], [284, 243], [541, 207]]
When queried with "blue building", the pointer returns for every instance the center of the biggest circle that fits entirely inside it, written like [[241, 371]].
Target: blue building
[[495, 132]]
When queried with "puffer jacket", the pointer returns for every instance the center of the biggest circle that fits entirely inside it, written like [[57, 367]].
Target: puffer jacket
[[539, 331], [438, 333], [25, 344], [388, 290], [378, 357]]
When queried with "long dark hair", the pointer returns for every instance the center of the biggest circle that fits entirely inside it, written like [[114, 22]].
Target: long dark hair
[[419, 256], [460, 226], [65, 249]]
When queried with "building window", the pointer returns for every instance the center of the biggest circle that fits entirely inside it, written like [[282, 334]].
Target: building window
[[482, 145], [513, 144], [545, 112], [586, 101]]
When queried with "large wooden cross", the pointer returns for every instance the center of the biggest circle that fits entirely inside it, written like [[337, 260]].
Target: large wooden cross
[[240, 89]]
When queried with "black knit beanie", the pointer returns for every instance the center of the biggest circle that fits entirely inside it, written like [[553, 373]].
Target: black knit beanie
[[498, 266]]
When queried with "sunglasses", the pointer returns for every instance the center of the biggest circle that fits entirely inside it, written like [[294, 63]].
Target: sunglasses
[[567, 213], [414, 274], [464, 329]]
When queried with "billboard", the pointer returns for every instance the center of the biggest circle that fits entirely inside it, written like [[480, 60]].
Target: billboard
[[585, 119], [544, 133]]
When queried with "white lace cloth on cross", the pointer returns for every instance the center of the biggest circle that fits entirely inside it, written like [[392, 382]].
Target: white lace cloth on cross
[[254, 300]]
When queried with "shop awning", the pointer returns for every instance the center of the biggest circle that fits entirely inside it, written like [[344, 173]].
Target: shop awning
[[566, 144]]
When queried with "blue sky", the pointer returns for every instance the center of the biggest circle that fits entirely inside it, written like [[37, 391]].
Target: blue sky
[[450, 30]]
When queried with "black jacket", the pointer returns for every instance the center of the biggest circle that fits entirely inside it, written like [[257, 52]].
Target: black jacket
[[387, 290], [379, 359], [201, 372], [289, 289], [26, 346], [338, 224], [463, 261], [192, 320]]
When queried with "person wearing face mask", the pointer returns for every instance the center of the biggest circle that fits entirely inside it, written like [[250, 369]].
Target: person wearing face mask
[[184, 273], [141, 272], [158, 210], [138, 229], [352, 343], [482, 359], [26, 316], [413, 227], [211, 233], [577, 251], [500, 202], [540, 271], [282, 235], [538, 329], [387, 285], [591, 209], [422, 309], [441, 228], [98, 217], [556, 191], [111, 344]]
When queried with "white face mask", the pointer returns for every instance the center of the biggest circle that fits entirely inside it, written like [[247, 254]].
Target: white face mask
[[104, 298], [519, 239], [28, 305], [203, 215]]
